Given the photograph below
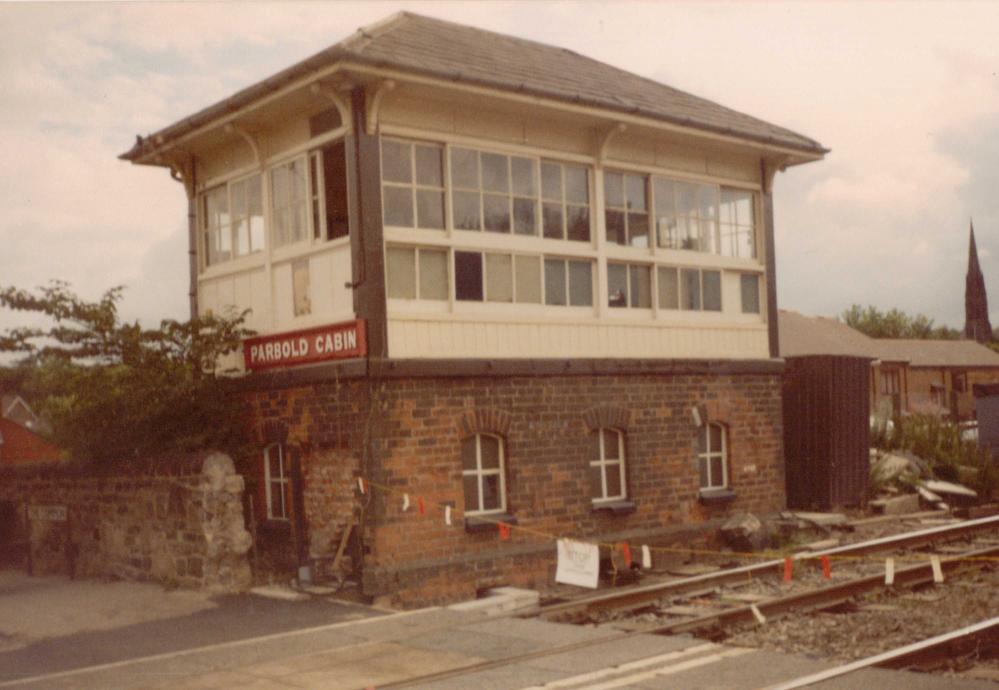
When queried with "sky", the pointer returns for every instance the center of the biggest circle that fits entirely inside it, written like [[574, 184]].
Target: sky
[[906, 95]]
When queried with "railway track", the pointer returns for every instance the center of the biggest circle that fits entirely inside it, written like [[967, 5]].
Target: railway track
[[712, 622]]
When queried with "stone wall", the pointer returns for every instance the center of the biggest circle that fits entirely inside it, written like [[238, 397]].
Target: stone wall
[[416, 431], [178, 521]]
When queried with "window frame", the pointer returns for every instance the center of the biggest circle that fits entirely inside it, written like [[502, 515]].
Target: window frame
[[205, 219], [414, 186], [604, 463], [709, 454], [479, 472], [283, 481]]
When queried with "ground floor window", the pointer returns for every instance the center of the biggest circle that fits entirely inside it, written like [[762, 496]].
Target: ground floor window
[[482, 474], [277, 482], [712, 456], [607, 479]]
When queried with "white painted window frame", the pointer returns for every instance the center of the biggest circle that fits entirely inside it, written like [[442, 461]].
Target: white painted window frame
[[204, 239], [281, 481], [605, 465], [479, 473], [710, 454]]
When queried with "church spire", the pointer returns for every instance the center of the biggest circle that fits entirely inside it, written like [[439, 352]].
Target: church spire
[[976, 308]]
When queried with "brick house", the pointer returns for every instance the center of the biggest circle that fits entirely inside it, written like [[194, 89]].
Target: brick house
[[498, 279]]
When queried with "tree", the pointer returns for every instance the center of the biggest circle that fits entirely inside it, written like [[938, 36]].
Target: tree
[[114, 391], [873, 322]]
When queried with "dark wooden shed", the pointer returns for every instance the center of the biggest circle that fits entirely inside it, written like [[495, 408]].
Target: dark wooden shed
[[826, 430]]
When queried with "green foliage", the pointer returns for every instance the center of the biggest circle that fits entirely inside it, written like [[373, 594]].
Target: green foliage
[[873, 322], [114, 391], [939, 443]]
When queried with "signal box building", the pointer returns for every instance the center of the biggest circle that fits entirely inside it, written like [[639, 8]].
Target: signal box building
[[499, 282]]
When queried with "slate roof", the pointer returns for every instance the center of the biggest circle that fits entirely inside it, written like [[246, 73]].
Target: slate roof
[[938, 353], [802, 335], [445, 50]]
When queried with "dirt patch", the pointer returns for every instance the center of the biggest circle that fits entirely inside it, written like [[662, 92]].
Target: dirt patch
[[34, 608]]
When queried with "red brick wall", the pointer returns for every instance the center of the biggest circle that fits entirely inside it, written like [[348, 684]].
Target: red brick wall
[[416, 433], [22, 446]]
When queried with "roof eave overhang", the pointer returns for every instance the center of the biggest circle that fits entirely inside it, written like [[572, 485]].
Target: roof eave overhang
[[154, 149]]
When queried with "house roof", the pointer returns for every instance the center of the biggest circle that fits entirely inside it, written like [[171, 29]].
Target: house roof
[[802, 335], [441, 49], [938, 353]]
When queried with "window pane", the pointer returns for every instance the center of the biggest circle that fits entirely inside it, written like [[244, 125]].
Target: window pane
[[610, 444], [577, 189], [468, 454], [396, 163], [707, 202], [635, 192], [499, 278], [580, 283], [712, 290], [663, 196], [497, 212], [555, 281], [668, 292], [242, 232], [702, 469], [551, 181], [750, 287], [690, 289], [615, 227], [528, 269], [667, 232], [335, 181], [398, 206], [429, 169], [495, 172], [468, 276], [716, 438], [465, 168], [465, 210], [613, 473], [522, 170], [430, 209], [613, 189], [400, 268], [301, 299], [638, 229], [433, 274], [524, 222], [689, 233], [274, 462], [552, 216], [578, 220], [641, 286], [255, 210], [717, 476], [471, 483], [491, 492], [490, 446], [617, 285], [686, 199]]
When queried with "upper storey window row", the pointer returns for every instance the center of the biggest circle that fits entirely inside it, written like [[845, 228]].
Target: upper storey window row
[[488, 191], [306, 201], [695, 216]]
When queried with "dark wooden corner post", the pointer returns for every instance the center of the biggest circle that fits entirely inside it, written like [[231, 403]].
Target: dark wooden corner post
[[366, 238], [767, 173]]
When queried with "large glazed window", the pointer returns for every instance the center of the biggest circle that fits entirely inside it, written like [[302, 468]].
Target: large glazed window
[[629, 285], [607, 478], [289, 201], [412, 184], [494, 192], [565, 201], [627, 208], [483, 475], [328, 192], [413, 273], [233, 220]]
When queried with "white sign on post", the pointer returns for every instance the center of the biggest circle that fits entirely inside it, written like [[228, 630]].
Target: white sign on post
[[578, 563]]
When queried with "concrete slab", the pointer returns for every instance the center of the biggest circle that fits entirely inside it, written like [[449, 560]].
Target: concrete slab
[[505, 678], [756, 669], [415, 623], [477, 643], [613, 653], [552, 634]]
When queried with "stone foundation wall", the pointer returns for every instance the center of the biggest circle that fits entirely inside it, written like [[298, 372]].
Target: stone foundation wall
[[179, 523]]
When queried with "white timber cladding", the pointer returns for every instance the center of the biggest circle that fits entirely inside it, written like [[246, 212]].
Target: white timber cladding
[[720, 320]]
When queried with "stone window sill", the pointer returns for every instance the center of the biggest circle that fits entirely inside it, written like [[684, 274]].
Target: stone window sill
[[717, 496], [615, 507], [488, 523]]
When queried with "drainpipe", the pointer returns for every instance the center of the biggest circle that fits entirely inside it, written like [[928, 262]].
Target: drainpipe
[[192, 233]]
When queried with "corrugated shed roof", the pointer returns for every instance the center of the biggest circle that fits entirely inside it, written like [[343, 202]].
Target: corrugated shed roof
[[802, 335], [938, 353], [442, 49]]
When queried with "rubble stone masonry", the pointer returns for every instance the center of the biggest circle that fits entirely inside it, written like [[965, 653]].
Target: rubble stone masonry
[[414, 427]]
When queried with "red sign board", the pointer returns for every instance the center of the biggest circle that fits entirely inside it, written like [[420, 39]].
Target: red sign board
[[337, 341]]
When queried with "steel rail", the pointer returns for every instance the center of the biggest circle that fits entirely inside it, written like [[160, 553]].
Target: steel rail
[[634, 597], [911, 576], [901, 657]]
